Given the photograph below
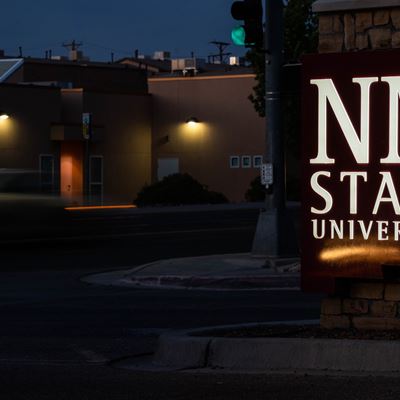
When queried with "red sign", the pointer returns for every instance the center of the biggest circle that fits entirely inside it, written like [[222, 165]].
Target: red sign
[[350, 166]]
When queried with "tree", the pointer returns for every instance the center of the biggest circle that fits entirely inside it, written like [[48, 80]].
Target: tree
[[300, 31], [300, 37]]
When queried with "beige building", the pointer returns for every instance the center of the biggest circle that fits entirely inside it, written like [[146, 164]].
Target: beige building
[[45, 102], [224, 149], [119, 150], [142, 129]]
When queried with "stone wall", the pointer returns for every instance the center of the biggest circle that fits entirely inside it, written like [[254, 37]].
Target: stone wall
[[348, 29], [364, 305]]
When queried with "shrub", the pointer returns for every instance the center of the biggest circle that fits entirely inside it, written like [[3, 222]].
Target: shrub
[[177, 189], [256, 191]]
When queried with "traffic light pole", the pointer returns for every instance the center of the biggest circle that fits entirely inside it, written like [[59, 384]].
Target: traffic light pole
[[274, 146], [272, 239]]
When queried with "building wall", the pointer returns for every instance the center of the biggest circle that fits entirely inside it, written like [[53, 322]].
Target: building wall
[[228, 126], [122, 135], [26, 134], [91, 76]]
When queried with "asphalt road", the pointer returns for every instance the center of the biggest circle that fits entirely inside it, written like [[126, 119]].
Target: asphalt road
[[96, 240], [59, 335]]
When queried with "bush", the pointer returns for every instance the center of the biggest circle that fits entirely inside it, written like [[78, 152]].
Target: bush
[[256, 191], [177, 189]]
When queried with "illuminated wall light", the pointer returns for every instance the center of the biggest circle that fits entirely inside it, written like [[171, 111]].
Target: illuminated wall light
[[192, 121], [3, 116]]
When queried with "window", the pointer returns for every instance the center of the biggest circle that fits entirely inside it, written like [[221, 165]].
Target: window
[[257, 161], [234, 162], [246, 161], [166, 167], [96, 178], [46, 169]]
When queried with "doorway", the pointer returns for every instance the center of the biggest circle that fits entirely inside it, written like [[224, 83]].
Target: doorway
[[71, 166]]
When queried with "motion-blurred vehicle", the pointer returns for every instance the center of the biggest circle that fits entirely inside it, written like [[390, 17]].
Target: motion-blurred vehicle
[[25, 211]]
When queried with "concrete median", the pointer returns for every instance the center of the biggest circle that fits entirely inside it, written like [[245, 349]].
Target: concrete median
[[184, 350]]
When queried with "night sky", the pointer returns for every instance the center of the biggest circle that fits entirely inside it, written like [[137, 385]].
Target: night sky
[[119, 26]]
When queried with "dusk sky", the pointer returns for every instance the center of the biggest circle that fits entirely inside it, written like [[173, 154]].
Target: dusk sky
[[119, 26]]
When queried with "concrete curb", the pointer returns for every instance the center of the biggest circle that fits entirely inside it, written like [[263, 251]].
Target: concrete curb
[[123, 278], [181, 350], [216, 282], [280, 279]]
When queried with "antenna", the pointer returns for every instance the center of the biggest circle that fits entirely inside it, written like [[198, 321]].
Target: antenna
[[221, 48]]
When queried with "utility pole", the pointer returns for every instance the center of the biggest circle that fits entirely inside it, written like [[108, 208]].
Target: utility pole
[[73, 49], [275, 236], [221, 51], [73, 46]]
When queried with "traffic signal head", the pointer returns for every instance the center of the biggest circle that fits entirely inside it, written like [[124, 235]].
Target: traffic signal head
[[250, 34]]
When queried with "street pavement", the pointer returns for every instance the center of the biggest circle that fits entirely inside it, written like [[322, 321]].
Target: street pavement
[[242, 272], [58, 334]]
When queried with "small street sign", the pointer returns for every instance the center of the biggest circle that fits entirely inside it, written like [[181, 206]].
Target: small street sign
[[267, 175], [86, 125]]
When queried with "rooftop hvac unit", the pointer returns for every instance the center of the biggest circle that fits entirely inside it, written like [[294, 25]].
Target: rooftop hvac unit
[[181, 64], [187, 64], [59, 58], [161, 55]]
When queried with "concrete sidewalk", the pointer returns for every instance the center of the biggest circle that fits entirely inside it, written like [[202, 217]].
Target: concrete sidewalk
[[217, 272]]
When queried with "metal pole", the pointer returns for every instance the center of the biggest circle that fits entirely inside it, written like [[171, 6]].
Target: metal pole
[[270, 230], [274, 151], [87, 173]]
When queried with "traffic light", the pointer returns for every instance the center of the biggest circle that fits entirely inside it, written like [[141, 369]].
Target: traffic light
[[250, 34]]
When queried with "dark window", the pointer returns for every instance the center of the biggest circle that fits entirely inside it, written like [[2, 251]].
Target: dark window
[[96, 178], [46, 168], [96, 169]]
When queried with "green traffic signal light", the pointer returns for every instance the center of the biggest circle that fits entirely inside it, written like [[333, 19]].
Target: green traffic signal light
[[238, 36], [250, 33]]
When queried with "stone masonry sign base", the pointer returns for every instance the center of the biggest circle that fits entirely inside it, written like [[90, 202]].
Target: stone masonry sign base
[[367, 305]]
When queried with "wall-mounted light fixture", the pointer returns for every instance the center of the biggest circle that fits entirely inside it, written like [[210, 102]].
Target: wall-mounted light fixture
[[3, 115], [192, 121]]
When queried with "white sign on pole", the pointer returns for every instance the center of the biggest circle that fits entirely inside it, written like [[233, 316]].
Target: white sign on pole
[[267, 175], [86, 125]]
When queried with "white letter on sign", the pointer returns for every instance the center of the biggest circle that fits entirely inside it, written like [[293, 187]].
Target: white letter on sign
[[353, 187], [359, 146], [394, 85], [322, 192], [387, 181]]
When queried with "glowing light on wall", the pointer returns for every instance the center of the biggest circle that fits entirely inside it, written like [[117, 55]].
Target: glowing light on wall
[[194, 131], [3, 116], [192, 121]]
